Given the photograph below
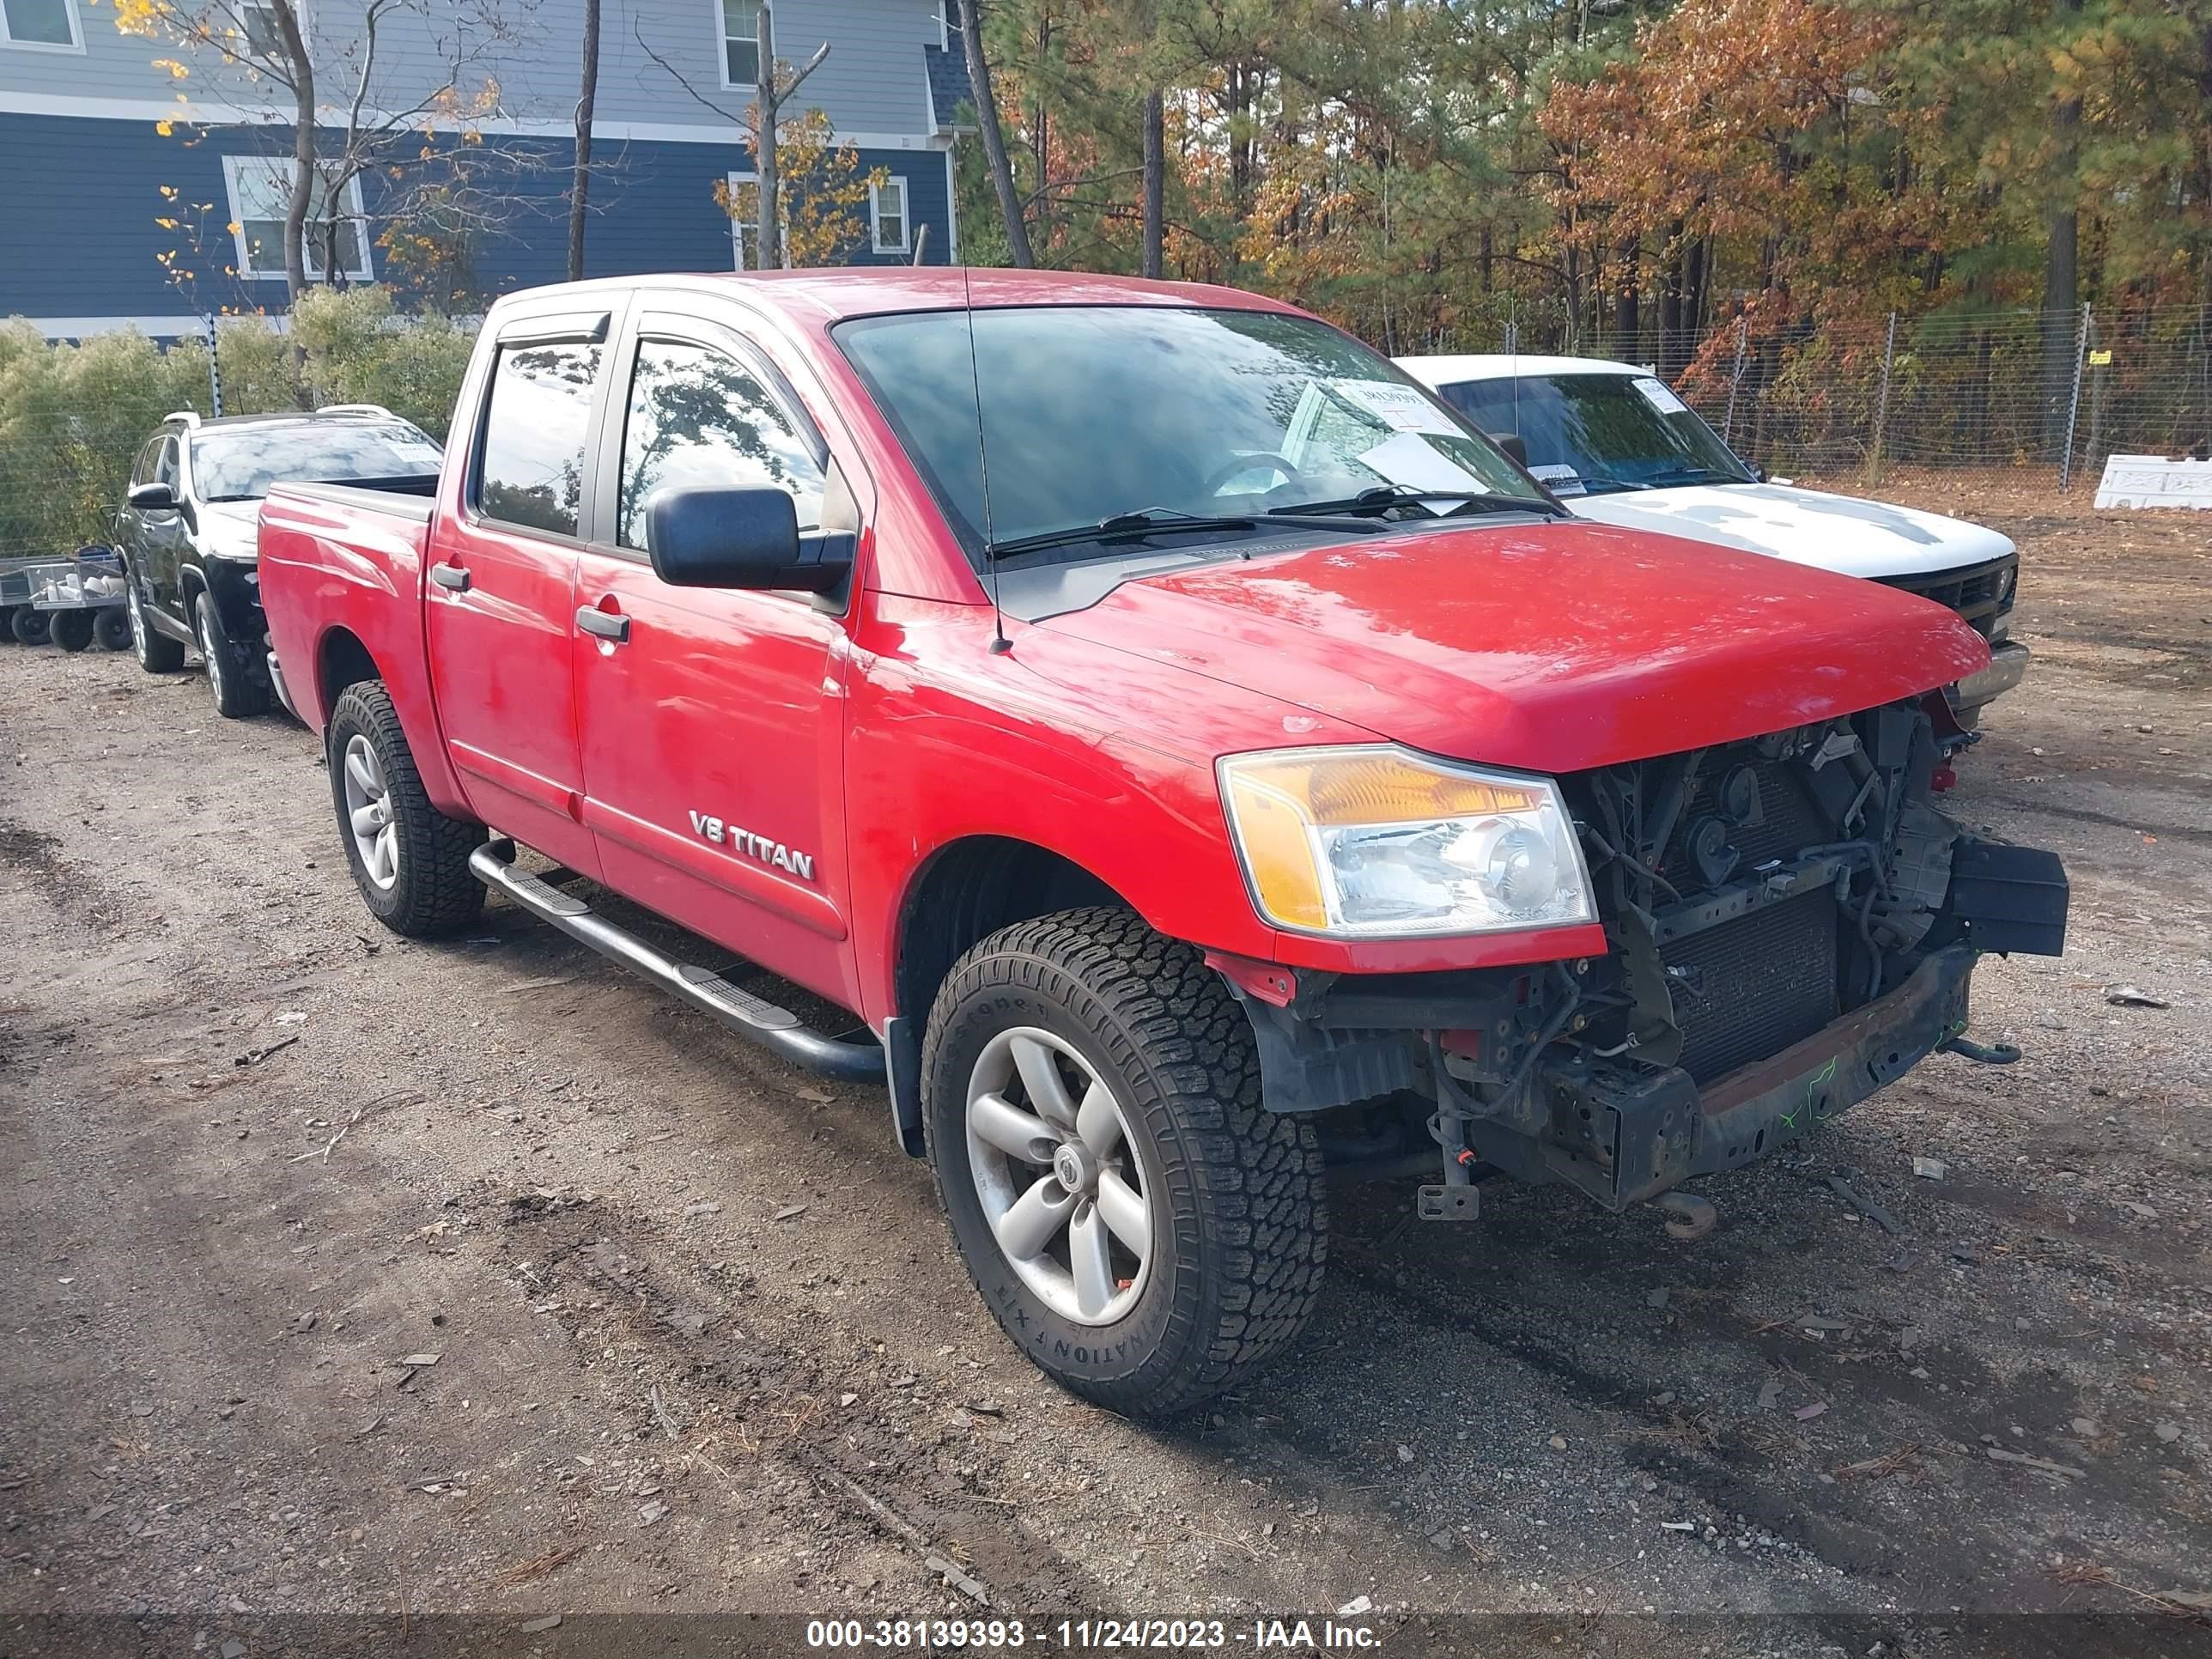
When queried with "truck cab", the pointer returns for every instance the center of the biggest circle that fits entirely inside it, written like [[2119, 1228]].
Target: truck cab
[[1195, 757]]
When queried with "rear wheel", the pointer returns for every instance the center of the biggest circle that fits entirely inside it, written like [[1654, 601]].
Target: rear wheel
[[71, 629], [111, 627], [239, 691], [157, 653], [1138, 1222], [28, 626], [410, 861]]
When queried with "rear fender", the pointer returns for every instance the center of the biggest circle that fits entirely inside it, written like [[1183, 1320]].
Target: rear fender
[[342, 595]]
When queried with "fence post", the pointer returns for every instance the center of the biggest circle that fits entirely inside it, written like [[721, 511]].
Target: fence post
[[1735, 376], [2074, 402], [1881, 404], [214, 372]]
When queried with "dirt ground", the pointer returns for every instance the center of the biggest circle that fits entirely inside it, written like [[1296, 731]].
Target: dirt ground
[[341, 1274]]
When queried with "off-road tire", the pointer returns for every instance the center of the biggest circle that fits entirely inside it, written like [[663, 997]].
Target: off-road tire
[[71, 630], [238, 684], [111, 627], [433, 894], [156, 651], [29, 626], [1241, 1237]]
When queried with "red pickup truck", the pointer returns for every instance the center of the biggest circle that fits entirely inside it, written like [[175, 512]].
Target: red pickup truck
[[1197, 758]]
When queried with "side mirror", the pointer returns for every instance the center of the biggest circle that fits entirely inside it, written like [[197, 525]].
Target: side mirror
[[1513, 445], [153, 498], [1759, 473], [713, 536]]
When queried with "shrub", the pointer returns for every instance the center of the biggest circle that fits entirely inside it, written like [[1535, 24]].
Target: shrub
[[74, 418]]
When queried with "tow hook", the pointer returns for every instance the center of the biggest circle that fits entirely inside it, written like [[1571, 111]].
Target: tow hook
[[1998, 1053], [1458, 1199], [1688, 1216]]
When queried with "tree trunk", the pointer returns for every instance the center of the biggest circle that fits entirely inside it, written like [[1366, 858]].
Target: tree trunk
[[767, 237], [2062, 276], [995, 138], [1625, 321], [1155, 170], [303, 149], [580, 181]]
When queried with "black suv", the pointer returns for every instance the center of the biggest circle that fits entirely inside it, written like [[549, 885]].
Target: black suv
[[187, 528]]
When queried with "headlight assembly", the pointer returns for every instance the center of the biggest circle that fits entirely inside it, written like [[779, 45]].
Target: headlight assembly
[[1375, 842]]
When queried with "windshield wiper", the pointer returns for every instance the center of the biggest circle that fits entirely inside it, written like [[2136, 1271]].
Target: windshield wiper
[[1154, 520], [1690, 474], [1598, 485], [1381, 498]]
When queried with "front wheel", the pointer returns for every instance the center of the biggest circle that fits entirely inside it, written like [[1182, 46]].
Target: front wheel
[[29, 627], [239, 692], [1137, 1220], [410, 861]]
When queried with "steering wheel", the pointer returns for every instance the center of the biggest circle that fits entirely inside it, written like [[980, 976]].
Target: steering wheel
[[1239, 465]]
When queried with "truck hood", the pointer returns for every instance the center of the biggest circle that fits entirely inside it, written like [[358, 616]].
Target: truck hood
[[1550, 647], [1805, 526]]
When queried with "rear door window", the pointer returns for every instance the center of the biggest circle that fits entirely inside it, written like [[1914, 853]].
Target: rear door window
[[536, 420]]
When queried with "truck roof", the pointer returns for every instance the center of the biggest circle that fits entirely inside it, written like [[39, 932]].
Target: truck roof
[[826, 297], [1498, 366]]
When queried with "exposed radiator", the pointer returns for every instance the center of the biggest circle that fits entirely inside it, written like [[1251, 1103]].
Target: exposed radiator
[[1750, 987]]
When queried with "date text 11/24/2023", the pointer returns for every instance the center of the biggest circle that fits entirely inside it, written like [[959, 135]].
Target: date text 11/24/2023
[[1289, 1635]]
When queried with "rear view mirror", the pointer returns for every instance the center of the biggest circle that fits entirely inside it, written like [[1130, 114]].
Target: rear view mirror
[[1514, 446], [155, 497], [712, 537]]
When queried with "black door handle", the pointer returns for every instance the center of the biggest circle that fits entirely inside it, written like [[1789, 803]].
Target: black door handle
[[454, 576], [606, 624]]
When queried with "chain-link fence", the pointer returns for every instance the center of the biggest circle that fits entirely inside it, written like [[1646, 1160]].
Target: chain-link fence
[[1854, 402]]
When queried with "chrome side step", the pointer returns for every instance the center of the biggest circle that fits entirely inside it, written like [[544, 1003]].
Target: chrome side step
[[708, 992]]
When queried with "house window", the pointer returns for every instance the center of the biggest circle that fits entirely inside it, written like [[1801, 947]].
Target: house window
[[45, 25], [264, 38], [740, 42], [887, 216], [743, 229], [259, 190]]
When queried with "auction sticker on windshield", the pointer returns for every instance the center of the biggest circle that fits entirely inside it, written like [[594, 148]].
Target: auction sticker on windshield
[[1657, 394], [1401, 408]]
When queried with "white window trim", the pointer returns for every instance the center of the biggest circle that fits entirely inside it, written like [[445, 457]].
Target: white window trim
[[76, 33], [722, 53], [234, 170], [905, 243], [741, 228]]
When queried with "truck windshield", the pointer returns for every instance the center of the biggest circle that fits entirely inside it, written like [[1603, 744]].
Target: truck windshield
[[1592, 434], [240, 465], [1092, 413]]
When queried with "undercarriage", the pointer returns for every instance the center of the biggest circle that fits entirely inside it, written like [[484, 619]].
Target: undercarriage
[[1793, 924]]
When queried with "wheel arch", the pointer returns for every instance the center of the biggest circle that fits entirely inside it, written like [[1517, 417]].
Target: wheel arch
[[964, 891], [968, 890], [341, 659]]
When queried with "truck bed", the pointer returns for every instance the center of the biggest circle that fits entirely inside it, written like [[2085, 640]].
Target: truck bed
[[412, 497]]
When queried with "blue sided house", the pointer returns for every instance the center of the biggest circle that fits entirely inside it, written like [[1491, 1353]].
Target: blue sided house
[[143, 177]]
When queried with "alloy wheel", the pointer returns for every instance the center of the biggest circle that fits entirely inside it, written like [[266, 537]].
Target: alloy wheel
[[1061, 1187], [369, 813], [213, 653]]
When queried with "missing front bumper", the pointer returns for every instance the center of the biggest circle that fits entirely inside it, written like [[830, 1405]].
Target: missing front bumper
[[1622, 1135]]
